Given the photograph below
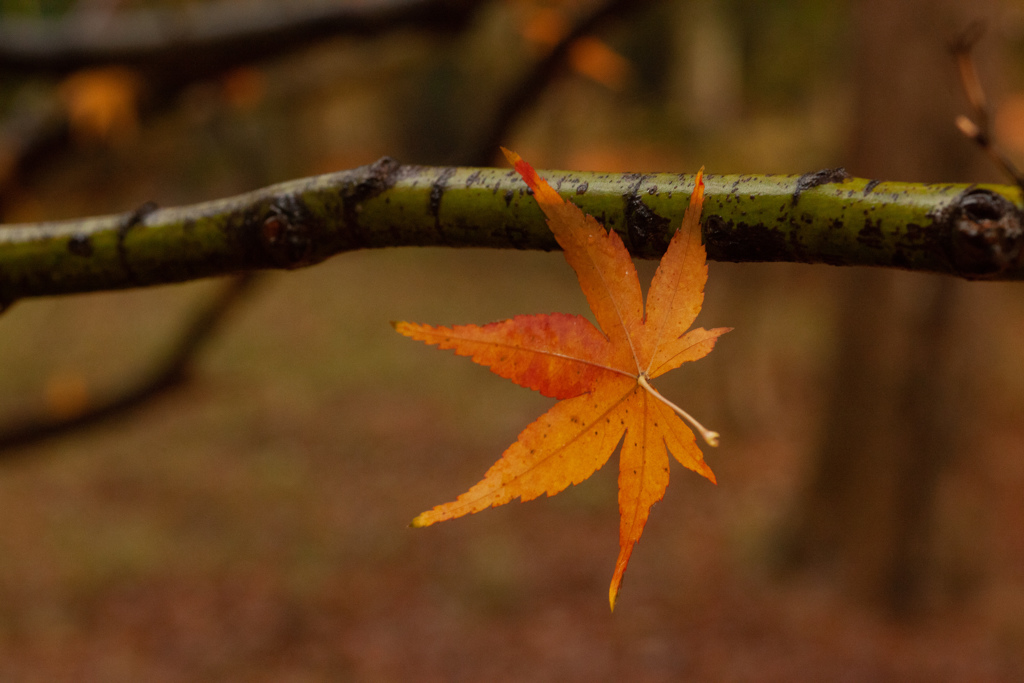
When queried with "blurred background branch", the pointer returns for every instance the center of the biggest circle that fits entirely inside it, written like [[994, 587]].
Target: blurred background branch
[[181, 44], [519, 97], [170, 371], [144, 58]]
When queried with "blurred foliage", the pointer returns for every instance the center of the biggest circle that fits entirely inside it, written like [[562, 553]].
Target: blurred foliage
[[789, 48], [37, 8]]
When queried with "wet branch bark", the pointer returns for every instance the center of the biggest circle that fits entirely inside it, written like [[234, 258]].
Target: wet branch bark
[[973, 231]]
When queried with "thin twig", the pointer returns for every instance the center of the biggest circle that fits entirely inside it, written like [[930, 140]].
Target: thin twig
[[35, 130], [979, 129], [535, 81], [169, 373]]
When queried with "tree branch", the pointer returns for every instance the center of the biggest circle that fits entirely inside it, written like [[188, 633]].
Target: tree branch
[[206, 38], [973, 231]]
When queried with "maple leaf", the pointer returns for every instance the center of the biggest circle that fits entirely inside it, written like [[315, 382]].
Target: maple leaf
[[602, 375]]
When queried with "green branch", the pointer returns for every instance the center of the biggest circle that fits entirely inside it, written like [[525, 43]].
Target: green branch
[[972, 231]]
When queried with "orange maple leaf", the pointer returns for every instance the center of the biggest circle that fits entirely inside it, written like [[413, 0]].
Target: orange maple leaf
[[602, 375]]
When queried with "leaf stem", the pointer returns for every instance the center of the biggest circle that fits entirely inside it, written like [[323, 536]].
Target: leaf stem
[[709, 436]]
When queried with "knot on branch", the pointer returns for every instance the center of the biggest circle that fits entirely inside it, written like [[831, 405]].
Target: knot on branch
[[825, 176], [286, 236], [370, 182], [986, 233], [648, 232]]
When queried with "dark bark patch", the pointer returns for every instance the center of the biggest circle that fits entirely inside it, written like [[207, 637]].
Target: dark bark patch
[[130, 221], [745, 242], [825, 176], [582, 188], [648, 232], [872, 184], [983, 233], [79, 244], [916, 233], [516, 236], [437, 189], [871, 234], [286, 236], [380, 176]]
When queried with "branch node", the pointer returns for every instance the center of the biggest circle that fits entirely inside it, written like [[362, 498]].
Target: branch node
[[986, 234], [380, 176], [285, 235], [825, 176], [130, 221]]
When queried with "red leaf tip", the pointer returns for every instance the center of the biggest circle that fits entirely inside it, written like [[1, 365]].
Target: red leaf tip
[[512, 157], [523, 168], [542, 192]]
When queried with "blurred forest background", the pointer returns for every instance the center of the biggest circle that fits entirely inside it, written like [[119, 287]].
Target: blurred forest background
[[251, 523]]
